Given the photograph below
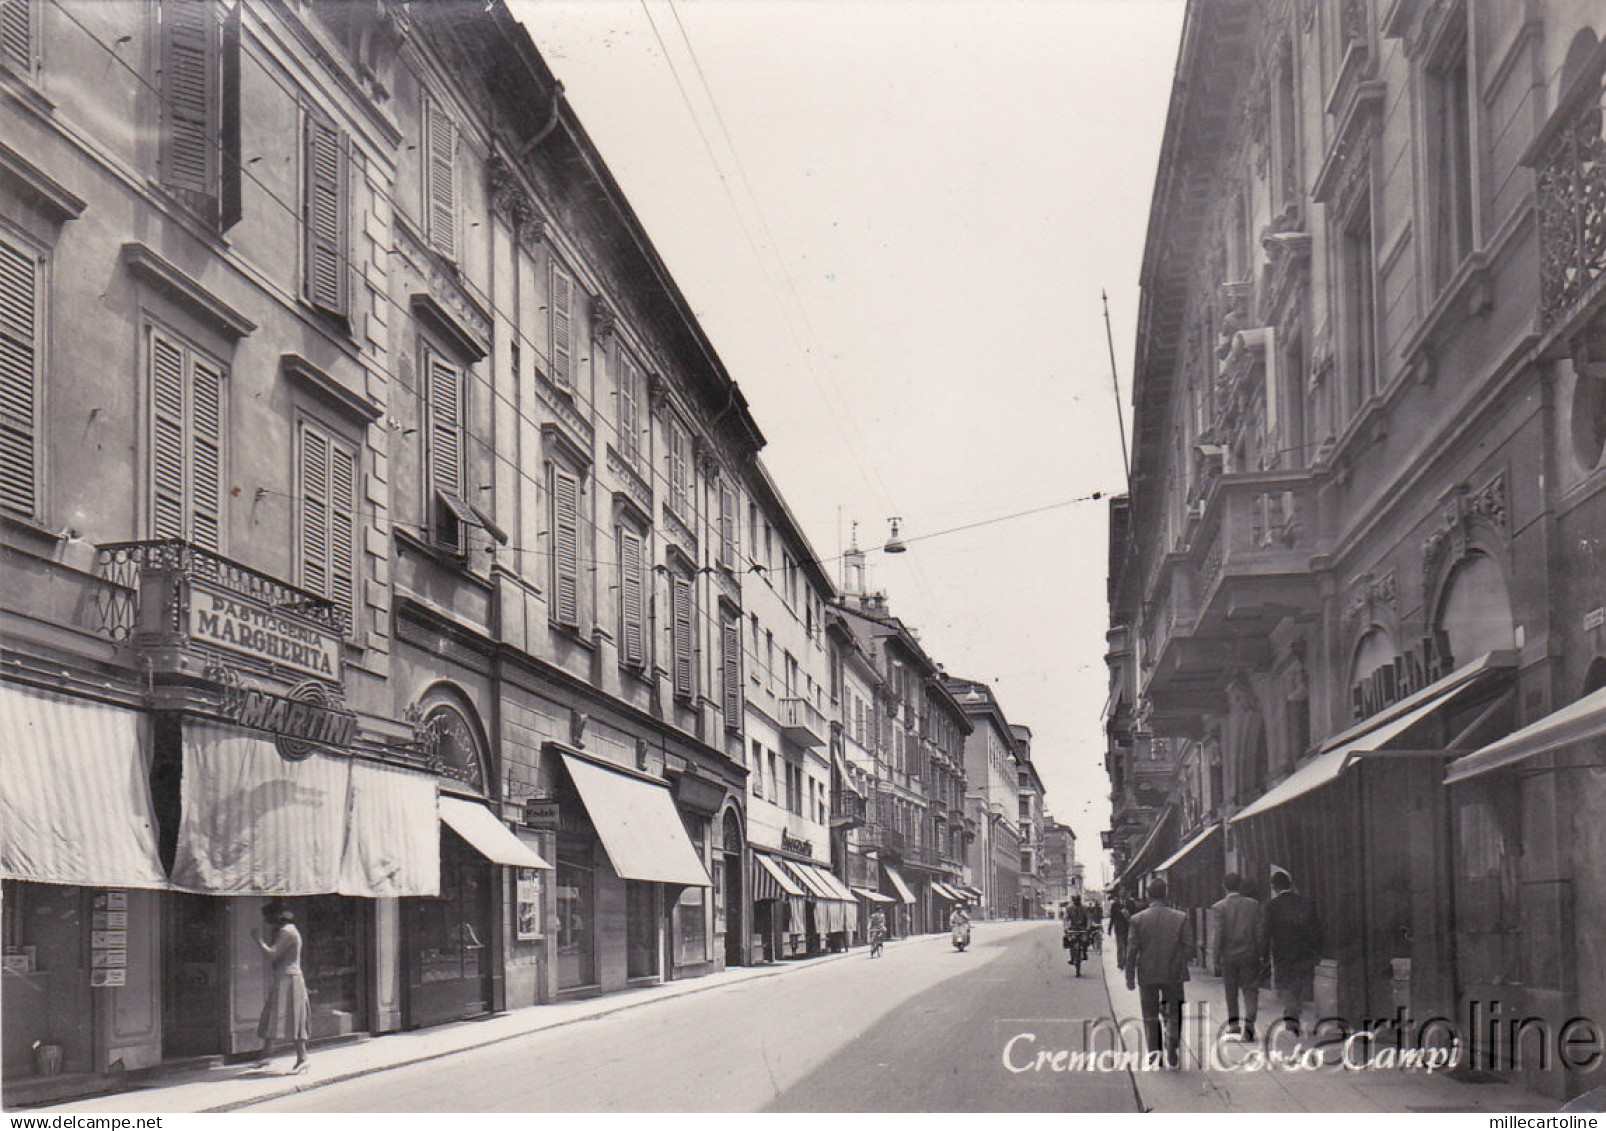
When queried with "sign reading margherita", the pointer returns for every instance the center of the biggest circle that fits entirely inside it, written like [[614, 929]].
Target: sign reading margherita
[[227, 620]]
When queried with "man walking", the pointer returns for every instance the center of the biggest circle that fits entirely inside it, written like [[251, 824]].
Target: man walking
[[1120, 920], [1159, 944], [1294, 936], [1240, 951]]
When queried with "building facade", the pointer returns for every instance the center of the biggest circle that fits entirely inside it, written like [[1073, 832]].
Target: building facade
[[1348, 591], [992, 798]]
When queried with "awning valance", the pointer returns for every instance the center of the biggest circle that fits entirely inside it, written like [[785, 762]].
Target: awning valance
[[1577, 722], [1373, 736], [873, 896], [1180, 854], [899, 887], [487, 835], [771, 881], [638, 825], [75, 803]]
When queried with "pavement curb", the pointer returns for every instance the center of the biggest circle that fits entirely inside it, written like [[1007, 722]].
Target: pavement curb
[[693, 986], [1109, 998]]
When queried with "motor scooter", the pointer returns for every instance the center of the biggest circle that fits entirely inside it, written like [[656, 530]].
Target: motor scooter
[[961, 935]]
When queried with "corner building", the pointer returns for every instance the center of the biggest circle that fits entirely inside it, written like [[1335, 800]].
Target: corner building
[[1354, 577]]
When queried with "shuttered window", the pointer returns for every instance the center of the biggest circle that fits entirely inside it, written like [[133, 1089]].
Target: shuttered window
[[440, 179], [17, 35], [445, 443], [186, 442], [327, 536], [629, 385], [727, 526], [684, 635], [324, 216], [562, 311], [679, 470], [732, 632], [565, 547], [632, 586], [21, 274], [190, 101]]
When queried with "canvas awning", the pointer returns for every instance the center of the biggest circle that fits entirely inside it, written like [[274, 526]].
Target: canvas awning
[[392, 847], [488, 836], [771, 881], [834, 884], [75, 802], [873, 896], [831, 912], [898, 885], [951, 894], [1577, 722], [1373, 736], [638, 825], [1193, 842], [1138, 865]]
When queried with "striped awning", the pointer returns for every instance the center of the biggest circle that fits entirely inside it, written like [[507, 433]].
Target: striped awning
[[75, 802], [771, 881], [899, 887], [834, 883], [948, 893], [873, 896]]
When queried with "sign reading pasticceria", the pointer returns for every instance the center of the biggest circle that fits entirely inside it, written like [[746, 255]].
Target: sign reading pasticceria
[[238, 624], [308, 718], [1405, 675]]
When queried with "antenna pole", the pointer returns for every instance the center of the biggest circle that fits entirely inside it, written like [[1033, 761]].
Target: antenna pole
[[1120, 417]]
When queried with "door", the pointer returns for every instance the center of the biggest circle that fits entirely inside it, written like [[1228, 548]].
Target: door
[[448, 940], [732, 866], [194, 970], [1488, 913]]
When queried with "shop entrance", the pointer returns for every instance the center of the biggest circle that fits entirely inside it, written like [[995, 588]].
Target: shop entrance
[[448, 940], [336, 933], [730, 891], [194, 976]]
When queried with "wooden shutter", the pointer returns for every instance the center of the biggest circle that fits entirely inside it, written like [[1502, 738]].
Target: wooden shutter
[[683, 636], [19, 380], [329, 519], [206, 455], [632, 630], [733, 674], [562, 328], [231, 204], [727, 526], [629, 441], [189, 93], [167, 438], [343, 493], [565, 547], [445, 426], [325, 217], [677, 467], [440, 179], [314, 512], [16, 34]]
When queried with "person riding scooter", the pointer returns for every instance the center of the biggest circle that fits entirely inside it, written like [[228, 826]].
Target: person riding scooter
[[959, 924]]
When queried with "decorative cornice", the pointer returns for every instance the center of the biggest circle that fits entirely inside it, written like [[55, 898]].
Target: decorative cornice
[[350, 402], [151, 269], [1449, 542], [54, 199], [1347, 158], [604, 320], [461, 335]]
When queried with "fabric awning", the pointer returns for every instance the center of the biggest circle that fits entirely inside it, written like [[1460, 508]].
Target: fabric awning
[[834, 884], [638, 825], [392, 846], [974, 893], [898, 885], [1138, 865], [1577, 722], [873, 896], [771, 881], [75, 802], [943, 891], [488, 836], [809, 879], [1372, 736], [252, 823], [1193, 842]]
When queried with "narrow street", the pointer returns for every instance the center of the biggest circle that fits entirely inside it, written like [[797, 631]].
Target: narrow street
[[921, 1029]]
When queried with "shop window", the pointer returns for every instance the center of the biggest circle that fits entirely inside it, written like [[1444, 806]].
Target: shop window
[[332, 930], [527, 912], [576, 914], [641, 930], [691, 926], [1475, 612], [449, 931]]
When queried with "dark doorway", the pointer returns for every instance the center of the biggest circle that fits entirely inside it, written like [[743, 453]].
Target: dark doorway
[[448, 940], [735, 897], [195, 990]]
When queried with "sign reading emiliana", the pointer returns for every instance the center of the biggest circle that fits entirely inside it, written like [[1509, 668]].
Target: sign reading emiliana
[[1405, 675], [227, 620], [307, 718]]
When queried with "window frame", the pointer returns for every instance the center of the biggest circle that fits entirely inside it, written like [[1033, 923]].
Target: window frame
[[1452, 199]]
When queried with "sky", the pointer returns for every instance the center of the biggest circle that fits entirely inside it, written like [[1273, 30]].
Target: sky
[[894, 220]]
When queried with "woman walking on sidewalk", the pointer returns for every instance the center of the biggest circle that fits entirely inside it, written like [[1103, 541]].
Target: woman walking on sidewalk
[[287, 1012]]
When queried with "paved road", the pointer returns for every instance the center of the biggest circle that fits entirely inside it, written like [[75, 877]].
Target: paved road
[[922, 1029]]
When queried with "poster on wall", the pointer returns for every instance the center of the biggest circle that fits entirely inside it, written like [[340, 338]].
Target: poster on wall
[[528, 920]]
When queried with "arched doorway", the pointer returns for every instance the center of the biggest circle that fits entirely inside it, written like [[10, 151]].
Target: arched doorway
[[734, 893]]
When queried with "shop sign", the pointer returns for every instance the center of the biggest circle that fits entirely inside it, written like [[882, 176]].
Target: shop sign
[[108, 939], [1405, 675], [541, 813], [797, 844], [308, 718], [246, 627]]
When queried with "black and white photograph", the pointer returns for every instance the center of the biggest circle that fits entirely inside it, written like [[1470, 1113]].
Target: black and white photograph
[[889, 557]]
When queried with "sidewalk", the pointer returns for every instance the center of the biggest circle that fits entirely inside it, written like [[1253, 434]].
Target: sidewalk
[[1225, 1082], [216, 1087]]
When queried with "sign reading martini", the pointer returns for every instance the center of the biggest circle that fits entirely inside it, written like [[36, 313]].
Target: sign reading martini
[[237, 624]]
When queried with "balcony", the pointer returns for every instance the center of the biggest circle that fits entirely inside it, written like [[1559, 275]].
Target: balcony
[[847, 809], [802, 723], [190, 609], [1569, 158], [1253, 555], [891, 843]]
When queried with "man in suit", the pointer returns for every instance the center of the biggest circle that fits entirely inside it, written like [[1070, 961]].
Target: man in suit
[[1159, 946], [1294, 937], [1240, 951]]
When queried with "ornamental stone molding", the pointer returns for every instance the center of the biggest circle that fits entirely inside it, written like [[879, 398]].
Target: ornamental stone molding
[[1461, 512], [1370, 596], [604, 320]]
